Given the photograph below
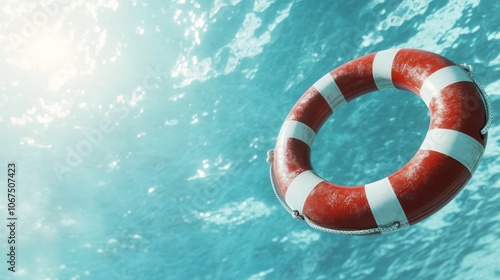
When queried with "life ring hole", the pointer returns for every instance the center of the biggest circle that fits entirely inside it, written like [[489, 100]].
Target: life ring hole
[[370, 137]]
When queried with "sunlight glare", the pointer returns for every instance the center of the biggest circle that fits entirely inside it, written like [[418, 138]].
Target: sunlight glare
[[48, 53]]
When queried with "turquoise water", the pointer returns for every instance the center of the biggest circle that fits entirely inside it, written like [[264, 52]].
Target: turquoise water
[[140, 131]]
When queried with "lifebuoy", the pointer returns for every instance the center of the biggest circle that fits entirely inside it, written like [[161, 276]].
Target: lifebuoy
[[441, 167]]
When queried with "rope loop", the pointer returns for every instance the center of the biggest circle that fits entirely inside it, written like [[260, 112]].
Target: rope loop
[[301, 217], [469, 70]]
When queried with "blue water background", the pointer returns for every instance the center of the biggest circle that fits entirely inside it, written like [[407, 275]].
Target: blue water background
[[140, 130]]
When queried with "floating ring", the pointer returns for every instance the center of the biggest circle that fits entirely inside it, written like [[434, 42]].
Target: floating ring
[[446, 160]]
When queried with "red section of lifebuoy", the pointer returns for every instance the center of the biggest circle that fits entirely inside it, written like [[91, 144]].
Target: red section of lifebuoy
[[437, 172]]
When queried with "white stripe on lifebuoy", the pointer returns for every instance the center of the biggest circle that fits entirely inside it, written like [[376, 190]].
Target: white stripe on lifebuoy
[[382, 68], [300, 188], [441, 79], [327, 87], [384, 204], [455, 144], [297, 130]]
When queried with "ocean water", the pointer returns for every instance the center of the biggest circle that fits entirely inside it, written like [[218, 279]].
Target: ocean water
[[139, 130]]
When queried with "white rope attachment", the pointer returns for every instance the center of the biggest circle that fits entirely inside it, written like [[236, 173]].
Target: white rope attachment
[[469, 70], [301, 217], [295, 214]]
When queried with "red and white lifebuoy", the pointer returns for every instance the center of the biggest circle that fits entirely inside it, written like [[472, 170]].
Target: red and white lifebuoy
[[442, 166]]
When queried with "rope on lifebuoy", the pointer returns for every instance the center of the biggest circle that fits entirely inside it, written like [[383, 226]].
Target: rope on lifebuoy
[[301, 217], [486, 99]]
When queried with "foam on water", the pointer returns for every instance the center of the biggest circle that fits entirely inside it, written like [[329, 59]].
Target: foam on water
[[234, 214]]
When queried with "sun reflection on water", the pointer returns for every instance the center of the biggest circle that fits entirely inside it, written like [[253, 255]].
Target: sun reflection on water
[[48, 52]]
